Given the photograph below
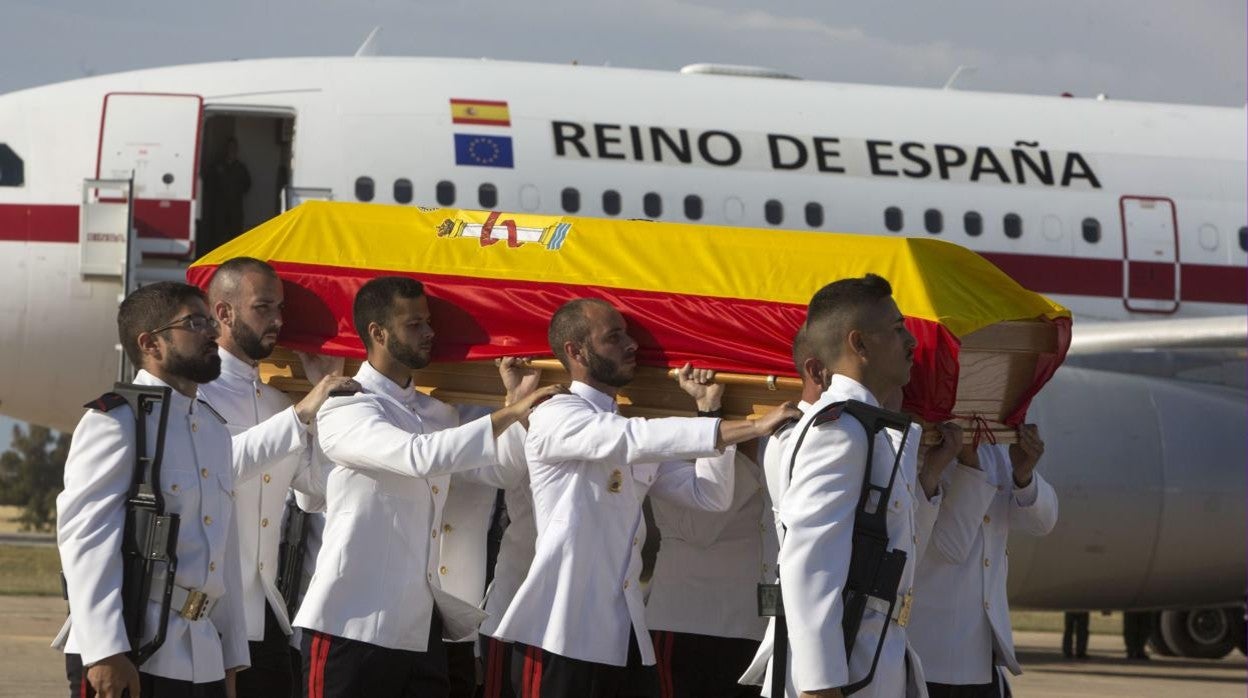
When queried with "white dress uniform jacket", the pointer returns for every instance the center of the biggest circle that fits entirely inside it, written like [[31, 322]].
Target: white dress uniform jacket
[[710, 563], [393, 451], [817, 510], [960, 625], [515, 554], [589, 469], [272, 452], [198, 485], [468, 512]]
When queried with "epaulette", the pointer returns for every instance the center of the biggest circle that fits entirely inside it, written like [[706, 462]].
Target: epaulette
[[106, 402], [212, 411], [831, 413]]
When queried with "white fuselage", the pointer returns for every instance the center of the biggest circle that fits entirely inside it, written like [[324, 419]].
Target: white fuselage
[[1118, 210]]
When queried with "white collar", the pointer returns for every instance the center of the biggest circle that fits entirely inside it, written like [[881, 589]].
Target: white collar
[[178, 403], [846, 388], [595, 397], [235, 367], [375, 382]]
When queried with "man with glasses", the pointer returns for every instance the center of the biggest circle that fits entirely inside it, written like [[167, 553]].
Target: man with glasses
[[167, 332], [273, 450]]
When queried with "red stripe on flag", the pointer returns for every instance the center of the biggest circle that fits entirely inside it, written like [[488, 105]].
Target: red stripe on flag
[[478, 319], [482, 102], [537, 672]]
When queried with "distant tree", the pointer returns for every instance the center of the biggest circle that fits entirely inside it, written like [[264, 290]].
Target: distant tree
[[32, 473]]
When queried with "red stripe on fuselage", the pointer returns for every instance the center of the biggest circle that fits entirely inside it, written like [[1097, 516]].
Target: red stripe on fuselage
[[1071, 276], [39, 222]]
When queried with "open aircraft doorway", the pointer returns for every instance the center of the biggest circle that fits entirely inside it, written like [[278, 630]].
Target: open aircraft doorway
[[246, 163]]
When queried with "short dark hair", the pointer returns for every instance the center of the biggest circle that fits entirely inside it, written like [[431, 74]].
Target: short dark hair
[[801, 350], [375, 299], [226, 279], [570, 324], [837, 308], [150, 307]]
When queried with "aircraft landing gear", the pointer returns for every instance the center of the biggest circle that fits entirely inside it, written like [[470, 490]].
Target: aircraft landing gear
[[1202, 633]]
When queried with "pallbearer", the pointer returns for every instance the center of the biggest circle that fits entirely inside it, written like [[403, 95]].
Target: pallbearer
[[578, 620]]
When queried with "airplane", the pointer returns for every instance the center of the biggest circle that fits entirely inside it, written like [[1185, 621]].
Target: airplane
[[1131, 214]]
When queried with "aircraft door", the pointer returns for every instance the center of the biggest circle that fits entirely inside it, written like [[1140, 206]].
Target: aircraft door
[[1150, 249], [154, 137]]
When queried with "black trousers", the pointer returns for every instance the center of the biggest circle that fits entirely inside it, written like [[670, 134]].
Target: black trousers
[[1075, 634], [997, 688], [461, 665], [337, 667], [150, 686], [270, 672], [536, 673], [497, 662], [1136, 627], [702, 666]]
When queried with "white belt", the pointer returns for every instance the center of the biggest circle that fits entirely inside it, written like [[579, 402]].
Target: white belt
[[901, 610], [191, 604]]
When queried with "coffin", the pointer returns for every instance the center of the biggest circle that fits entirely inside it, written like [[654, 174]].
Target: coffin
[[725, 298]]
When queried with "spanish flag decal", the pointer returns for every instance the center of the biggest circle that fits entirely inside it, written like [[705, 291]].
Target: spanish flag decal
[[480, 112]]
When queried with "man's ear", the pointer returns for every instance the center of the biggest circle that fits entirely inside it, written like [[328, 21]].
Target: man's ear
[[224, 313], [377, 334], [813, 367], [149, 346], [575, 353], [855, 344]]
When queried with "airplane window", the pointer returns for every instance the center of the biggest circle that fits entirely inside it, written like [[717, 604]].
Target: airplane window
[[364, 189], [933, 221], [892, 218], [403, 191], [1091, 230], [973, 223], [12, 168], [445, 193], [571, 199], [693, 207], [1013, 226], [652, 205], [611, 202], [814, 214], [1243, 239], [773, 211], [487, 195]]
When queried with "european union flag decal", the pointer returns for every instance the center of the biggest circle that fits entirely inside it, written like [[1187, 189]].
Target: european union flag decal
[[483, 151]]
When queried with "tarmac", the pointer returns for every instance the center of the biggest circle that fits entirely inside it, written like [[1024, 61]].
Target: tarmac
[[30, 669]]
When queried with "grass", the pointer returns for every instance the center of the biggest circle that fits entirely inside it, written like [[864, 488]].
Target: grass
[[1052, 621], [30, 570]]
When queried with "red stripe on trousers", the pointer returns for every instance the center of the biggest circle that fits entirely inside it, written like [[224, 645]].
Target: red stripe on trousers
[[537, 672], [667, 686], [525, 691], [494, 672]]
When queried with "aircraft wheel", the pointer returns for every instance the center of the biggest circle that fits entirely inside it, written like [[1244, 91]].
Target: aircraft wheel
[[1156, 642], [1203, 633]]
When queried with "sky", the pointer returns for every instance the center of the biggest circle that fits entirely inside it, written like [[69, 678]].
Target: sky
[[1153, 50]]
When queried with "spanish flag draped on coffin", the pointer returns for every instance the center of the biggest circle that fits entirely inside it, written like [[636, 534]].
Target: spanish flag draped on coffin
[[724, 298]]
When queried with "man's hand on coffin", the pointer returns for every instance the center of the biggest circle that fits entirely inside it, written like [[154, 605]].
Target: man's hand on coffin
[[317, 366], [337, 385], [1025, 454], [939, 456], [519, 411], [519, 376], [701, 386]]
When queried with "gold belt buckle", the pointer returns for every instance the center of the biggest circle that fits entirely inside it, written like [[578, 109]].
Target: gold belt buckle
[[903, 617], [196, 602]]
